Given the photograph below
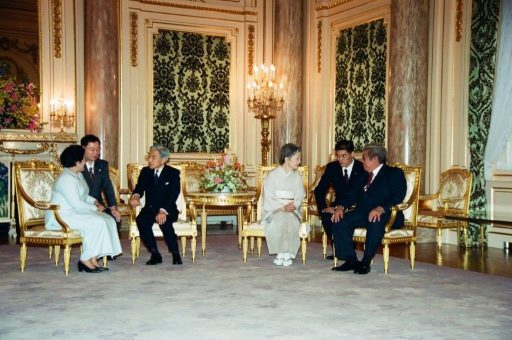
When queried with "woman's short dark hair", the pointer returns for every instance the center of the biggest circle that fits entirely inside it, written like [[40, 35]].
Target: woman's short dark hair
[[71, 155], [287, 150]]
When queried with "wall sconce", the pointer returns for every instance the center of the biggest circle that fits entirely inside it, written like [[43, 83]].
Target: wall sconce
[[265, 102], [62, 114]]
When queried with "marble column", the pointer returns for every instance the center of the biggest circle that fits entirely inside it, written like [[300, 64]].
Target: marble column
[[288, 50], [408, 61], [102, 75]]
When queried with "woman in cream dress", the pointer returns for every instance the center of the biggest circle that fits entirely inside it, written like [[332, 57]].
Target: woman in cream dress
[[283, 192], [82, 212]]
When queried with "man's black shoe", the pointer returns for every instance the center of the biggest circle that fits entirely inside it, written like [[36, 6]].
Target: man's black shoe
[[345, 267], [155, 259], [362, 268], [176, 258], [329, 257]]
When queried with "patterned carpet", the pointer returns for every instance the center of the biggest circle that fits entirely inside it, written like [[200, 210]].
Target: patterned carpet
[[220, 297]]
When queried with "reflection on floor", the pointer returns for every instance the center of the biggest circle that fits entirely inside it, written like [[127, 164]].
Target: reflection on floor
[[487, 260]]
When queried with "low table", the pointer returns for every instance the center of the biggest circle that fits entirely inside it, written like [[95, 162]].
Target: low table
[[211, 199], [480, 221]]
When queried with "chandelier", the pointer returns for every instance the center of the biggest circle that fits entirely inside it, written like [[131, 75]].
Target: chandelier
[[265, 102], [62, 114]]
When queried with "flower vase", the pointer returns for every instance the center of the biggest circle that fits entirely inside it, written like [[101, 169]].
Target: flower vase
[[225, 189]]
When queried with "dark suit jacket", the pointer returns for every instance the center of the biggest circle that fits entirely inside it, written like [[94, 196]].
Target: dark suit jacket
[[100, 183], [388, 188], [346, 193], [163, 195]]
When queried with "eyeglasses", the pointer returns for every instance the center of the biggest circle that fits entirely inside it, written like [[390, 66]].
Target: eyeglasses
[[92, 149]]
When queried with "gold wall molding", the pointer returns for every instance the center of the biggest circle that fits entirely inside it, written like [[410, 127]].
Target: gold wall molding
[[23, 136], [134, 18], [183, 6], [332, 5], [40, 148], [319, 49], [458, 21], [57, 28], [250, 47]]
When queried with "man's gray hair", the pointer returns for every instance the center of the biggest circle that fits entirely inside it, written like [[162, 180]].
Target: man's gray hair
[[162, 150], [376, 150]]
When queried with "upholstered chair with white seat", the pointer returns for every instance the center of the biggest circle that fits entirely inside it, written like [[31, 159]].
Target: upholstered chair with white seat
[[256, 229], [184, 227], [33, 186]]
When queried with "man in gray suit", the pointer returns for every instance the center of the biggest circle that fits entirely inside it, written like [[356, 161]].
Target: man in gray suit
[[96, 175]]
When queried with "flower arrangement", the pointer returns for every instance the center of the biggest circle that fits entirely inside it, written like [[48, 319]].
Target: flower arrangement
[[18, 106], [223, 175]]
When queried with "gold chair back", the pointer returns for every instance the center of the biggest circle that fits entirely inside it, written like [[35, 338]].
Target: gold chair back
[[413, 178], [34, 180], [133, 172], [455, 183]]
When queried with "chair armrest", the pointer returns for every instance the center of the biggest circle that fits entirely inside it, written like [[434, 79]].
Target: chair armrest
[[452, 200], [124, 192], [425, 202], [192, 213], [44, 205], [392, 218]]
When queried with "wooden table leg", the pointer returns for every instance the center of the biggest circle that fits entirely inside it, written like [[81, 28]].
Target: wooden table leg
[[203, 231]]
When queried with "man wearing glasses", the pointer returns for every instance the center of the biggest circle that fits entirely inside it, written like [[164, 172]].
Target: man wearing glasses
[[347, 176], [96, 175]]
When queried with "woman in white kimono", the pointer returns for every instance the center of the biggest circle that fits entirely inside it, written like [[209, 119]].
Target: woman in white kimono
[[283, 192], [82, 212]]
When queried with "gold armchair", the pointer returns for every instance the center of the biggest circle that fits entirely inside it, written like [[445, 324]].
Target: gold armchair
[[183, 227], [409, 207], [33, 186], [255, 229], [123, 207], [451, 199]]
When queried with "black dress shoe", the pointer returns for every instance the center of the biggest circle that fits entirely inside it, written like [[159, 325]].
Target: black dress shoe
[[155, 259], [82, 267], [329, 257], [112, 258], [176, 258], [345, 267], [362, 268]]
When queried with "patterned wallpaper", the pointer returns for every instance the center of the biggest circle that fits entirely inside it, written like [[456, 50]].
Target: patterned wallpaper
[[4, 191], [484, 39], [191, 92], [360, 102]]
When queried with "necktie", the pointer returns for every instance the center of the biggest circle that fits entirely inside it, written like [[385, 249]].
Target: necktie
[[370, 177], [91, 172], [155, 178], [345, 176]]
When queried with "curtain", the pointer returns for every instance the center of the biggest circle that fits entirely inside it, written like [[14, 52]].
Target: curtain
[[484, 36], [501, 120]]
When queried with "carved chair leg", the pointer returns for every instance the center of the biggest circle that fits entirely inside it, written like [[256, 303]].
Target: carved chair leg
[[439, 238], [386, 258], [259, 246], [334, 255], [23, 256], [324, 244], [183, 245], [50, 251], [57, 255], [67, 255], [252, 245], [466, 240], [304, 250], [412, 253], [138, 246], [193, 248], [134, 249], [244, 250], [104, 261]]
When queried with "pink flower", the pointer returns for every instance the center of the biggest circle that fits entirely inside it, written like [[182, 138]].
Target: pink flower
[[218, 180]]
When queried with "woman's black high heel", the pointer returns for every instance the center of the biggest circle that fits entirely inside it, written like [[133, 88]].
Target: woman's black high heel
[[83, 267], [103, 269]]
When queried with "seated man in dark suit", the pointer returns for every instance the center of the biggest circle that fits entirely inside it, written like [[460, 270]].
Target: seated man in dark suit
[[160, 184], [386, 186], [347, 176], [96, 174]]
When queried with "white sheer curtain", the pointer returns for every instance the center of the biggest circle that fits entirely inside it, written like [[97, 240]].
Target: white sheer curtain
[[501, 119]]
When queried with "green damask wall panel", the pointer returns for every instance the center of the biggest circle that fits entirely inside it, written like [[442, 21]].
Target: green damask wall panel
[[191, 91], [360, 102], [484, 38]]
